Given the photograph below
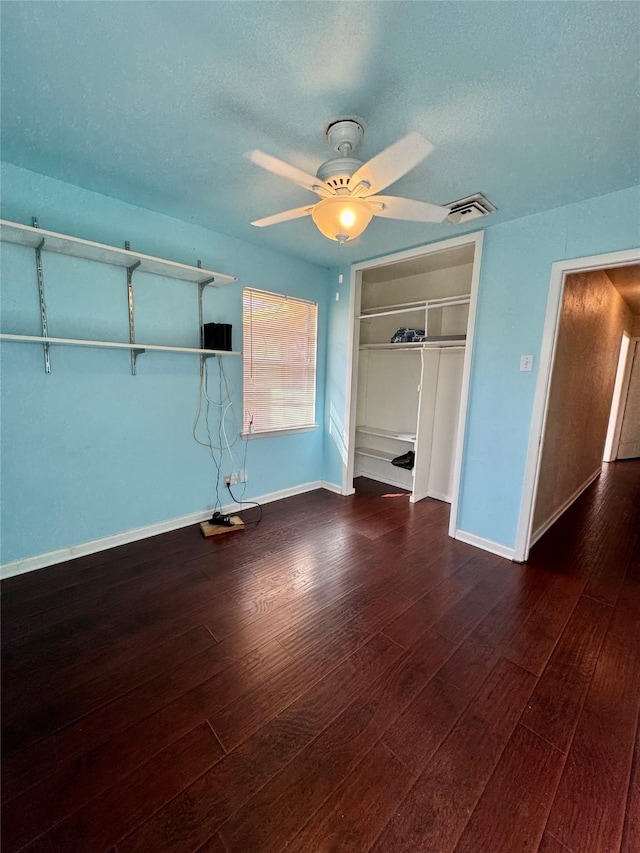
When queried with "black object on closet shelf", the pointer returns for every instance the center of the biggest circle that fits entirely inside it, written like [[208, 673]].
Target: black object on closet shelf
[[404, 461]]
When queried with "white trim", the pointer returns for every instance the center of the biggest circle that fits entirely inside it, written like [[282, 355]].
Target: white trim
[[275, 433], [547, 354], [40, 561], [331, 487], [353, 355], [440, 496], [476, 239], [618, 402], [466, 378], [632, 353], [556, 515], [485, 544]]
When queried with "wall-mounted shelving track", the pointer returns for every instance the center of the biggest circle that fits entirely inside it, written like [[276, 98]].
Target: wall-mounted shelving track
[[42, 240]]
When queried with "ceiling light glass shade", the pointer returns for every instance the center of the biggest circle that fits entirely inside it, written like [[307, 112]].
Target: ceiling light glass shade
[[341, 218]]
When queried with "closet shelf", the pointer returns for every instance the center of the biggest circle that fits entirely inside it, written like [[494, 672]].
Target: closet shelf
[[453, 342], [376, 454], [387, 433], [34, 339], [26, 235], [423, 305]]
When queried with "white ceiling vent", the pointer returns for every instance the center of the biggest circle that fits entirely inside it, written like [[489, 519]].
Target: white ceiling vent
[[471, 207]]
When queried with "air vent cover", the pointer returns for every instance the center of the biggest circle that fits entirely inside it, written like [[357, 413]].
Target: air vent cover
[[471, 207]]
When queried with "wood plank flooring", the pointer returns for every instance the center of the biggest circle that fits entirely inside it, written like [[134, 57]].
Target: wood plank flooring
[[343, 677]]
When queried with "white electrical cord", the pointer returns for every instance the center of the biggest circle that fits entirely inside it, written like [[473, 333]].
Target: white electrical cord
[[223, 405]]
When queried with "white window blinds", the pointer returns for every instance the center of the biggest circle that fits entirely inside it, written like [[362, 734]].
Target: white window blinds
[[279, 363]]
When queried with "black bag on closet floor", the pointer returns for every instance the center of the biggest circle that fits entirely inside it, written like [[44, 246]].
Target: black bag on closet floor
[[404, 461]]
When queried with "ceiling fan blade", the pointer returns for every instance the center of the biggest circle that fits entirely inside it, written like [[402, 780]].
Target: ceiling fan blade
[[285, 216], [392, 163], [291, 173], [407, 208]]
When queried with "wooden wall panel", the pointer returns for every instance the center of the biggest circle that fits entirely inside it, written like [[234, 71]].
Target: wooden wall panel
[[592, 319]]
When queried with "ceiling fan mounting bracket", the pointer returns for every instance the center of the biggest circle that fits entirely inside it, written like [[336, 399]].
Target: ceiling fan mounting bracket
[[344, 134]]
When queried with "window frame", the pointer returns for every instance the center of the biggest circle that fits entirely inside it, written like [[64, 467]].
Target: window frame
[[247, 353]]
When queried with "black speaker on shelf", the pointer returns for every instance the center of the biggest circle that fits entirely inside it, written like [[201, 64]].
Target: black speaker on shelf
[[217, 336]]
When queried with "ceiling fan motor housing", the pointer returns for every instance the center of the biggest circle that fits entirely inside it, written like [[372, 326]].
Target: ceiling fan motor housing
[[336, 172]]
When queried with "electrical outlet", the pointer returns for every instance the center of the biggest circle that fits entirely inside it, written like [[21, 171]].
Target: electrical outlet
[[526, 363], [231, 479], [243, 475]]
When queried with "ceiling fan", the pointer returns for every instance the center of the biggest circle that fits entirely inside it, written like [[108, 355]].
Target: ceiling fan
[[348, 188]]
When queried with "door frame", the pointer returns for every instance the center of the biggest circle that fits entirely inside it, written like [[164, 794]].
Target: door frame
[[559, 271], [620, 391], [632, 353], [474, 239]]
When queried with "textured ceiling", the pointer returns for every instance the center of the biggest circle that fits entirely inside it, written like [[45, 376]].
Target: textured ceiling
[[534, 104]]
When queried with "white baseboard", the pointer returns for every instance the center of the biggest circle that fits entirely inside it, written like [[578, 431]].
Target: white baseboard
[[565, 506], [41, 561], [331, 487], [485, 544], [440, 496]]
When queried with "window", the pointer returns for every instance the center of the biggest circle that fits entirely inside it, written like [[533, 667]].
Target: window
[[279, 364]]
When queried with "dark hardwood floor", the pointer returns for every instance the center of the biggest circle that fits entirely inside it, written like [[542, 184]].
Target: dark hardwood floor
[[343, 677]]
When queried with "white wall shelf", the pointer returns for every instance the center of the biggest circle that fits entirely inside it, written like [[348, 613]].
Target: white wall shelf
[[26, 235], [41, 240], [35, 339]]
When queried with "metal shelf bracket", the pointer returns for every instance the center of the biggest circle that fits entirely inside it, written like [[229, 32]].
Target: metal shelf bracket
[[43, 304], [132, 329], [201, 287]]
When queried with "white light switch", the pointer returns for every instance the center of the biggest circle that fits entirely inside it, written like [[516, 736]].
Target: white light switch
[[526, 362]]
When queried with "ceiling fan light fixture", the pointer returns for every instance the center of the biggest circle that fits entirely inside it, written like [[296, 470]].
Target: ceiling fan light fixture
[[342, 218]]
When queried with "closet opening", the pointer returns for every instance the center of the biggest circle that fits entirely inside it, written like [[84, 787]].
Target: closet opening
[[412, 318]]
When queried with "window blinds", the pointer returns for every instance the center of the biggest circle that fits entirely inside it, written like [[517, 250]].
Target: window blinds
[[279, 364]]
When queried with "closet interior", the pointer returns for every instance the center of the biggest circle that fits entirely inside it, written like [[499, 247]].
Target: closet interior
[[412, 325]]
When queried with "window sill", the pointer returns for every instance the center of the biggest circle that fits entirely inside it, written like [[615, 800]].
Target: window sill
[[273, 433]]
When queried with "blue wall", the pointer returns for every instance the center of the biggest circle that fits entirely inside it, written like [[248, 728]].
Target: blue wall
[[90, 450], [514, 283], [336, 384]]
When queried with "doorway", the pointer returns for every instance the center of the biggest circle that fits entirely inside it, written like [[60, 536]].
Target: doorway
[[593, 303]]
